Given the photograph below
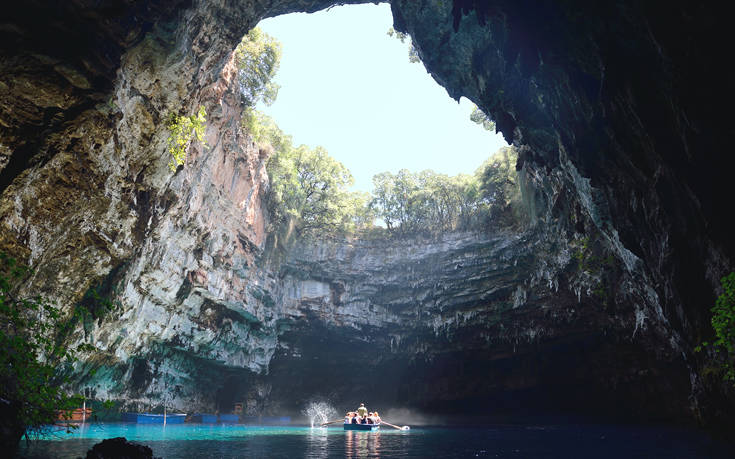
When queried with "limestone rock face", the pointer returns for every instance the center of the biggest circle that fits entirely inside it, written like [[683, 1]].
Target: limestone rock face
[[467, 321], [594, 307], [94, 201]]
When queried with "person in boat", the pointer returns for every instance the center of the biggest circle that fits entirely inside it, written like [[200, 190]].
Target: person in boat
[[376, 418], [348, 417], [355, 418], [362, 411], [369, 419]]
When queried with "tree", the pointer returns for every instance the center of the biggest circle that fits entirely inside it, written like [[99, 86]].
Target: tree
[[499, 179], [258, 57], [723, 322], [31, 350], [500, 187], [474, 210], [309, 189], [383, 202], [413, 54], [307, 186], [265, 131], [427, 202], [479, 117], [322, 182], [358, 215], [181, 131], [396, 200]]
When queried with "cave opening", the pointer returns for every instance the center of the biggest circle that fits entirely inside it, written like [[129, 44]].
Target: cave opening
[[348, 85], [344, 102], [596, 306]]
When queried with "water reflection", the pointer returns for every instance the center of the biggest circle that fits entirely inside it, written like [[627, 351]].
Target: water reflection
[[234, 442], [318, 442], [362, 444]]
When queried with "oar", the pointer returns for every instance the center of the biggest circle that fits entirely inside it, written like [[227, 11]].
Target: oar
[[332, 422], [395, 426]]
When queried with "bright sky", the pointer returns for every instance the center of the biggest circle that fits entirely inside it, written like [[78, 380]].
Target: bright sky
[[349, 87]]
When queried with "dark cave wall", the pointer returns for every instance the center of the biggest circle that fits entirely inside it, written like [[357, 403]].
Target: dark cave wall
[[620, 111], [633, 96]]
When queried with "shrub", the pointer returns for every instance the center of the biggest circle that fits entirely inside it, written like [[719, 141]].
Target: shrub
[[723, 322], [182, 130], [30, 352]]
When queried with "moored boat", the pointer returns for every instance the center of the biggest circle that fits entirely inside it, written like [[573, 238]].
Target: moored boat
[[276, 420], [149, 418], [228, 419], [77, 415], [203, 418], [364, 427]]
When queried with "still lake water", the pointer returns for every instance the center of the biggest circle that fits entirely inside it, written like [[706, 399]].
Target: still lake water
[[504, 441]]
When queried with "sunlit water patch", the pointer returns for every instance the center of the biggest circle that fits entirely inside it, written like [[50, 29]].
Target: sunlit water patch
[[234, 441]]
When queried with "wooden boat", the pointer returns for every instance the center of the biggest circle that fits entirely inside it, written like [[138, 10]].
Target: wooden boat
[[266, 420], [363, 427], [77, 415], [149, 418]]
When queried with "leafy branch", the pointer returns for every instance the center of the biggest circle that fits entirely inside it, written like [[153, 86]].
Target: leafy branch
[[30, 352], [723, 323], [479, 117], [182, 130]]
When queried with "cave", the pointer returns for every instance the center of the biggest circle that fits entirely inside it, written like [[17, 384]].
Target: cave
[[620, 112]]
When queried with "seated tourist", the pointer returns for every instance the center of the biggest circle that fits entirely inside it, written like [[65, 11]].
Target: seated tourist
[[348, 418], [376, 417], [369, 418], [356, 418]]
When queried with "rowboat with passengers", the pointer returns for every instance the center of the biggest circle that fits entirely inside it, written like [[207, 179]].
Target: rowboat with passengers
[[364, 427], [361, 420]]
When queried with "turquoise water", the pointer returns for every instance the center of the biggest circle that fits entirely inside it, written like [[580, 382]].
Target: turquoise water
[[235, 441]]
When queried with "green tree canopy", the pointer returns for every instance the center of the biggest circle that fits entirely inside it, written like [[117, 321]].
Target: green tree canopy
[[308, 187], [723, 322], [258, 57], [265, 131], [479, 117], [428, 202], [313, 187], [499, 184], [182, 130]]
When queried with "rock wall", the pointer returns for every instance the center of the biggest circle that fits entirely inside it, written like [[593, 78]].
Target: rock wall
[[620, 113], [93, 200], [499, 324], [596, 307], [507, 324]]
